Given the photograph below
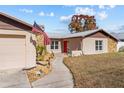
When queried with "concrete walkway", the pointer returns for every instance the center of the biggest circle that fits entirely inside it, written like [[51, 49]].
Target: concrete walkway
[[60, 77], [14, 78]]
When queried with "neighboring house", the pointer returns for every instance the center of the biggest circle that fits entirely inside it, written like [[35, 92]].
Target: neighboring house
[[87, 42], [120, 37], [17, 49]]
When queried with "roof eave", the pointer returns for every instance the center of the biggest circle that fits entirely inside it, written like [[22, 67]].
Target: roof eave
[[15, 19]]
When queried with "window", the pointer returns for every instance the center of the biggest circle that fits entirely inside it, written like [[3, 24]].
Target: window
[[54, 45], [99, 45]]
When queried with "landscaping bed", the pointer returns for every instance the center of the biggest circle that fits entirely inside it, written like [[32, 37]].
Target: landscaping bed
[[97, 71], [42, 68]]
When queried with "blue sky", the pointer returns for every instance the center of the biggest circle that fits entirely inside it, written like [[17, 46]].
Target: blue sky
[[56, 18]]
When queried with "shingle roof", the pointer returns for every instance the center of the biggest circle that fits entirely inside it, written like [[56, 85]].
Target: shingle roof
[[56, 35], [80, 34]]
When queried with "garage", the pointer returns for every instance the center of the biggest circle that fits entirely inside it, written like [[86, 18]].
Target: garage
[[12, 51], [17, 49]]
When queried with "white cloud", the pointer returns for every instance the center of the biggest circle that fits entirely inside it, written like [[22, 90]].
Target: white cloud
[[65, 18], [85, 11], [101, 7], [51, 14], [115, 27], [26, 10], [102, 15], [41, 14], [112, 6], [106, 6], [46, 14]]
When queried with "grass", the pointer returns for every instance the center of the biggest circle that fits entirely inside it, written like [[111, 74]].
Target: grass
[[97, 71]]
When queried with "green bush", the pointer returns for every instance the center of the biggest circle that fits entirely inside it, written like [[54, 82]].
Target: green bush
[[39, 50], [121, 49]]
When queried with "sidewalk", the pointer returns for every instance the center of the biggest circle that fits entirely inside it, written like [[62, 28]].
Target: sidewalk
[[60, 77]]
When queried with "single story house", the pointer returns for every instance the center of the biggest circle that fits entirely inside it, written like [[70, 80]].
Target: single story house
[[120, 37], [87, 42], [17, 49]]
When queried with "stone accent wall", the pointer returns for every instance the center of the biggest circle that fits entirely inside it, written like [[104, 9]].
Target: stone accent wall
[[112, 45]]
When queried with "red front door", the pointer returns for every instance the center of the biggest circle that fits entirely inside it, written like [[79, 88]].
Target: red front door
[[65, 46]]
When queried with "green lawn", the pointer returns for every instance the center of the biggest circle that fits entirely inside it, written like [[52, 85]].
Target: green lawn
[[98, 71]]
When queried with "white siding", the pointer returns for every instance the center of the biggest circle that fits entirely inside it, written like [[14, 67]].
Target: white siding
[[89, 46], [55, 50], [120, 44]]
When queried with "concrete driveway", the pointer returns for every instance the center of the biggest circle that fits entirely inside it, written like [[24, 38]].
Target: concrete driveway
[[60, 77], [14, 78]]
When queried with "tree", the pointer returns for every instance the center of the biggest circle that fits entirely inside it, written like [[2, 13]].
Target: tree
[[81, 23]]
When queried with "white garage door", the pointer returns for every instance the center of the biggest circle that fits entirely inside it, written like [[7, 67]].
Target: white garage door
[[12, 52]]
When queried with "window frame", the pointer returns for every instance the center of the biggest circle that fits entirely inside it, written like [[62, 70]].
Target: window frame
[[54, 45], [98, 45]]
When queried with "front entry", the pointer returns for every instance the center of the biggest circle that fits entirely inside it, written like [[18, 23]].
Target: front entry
[[65, 46]]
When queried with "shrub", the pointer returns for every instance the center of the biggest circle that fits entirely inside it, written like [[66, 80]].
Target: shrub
[[39, 50], [40, 58], [121, 49]]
